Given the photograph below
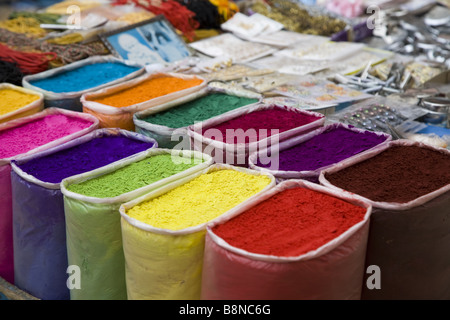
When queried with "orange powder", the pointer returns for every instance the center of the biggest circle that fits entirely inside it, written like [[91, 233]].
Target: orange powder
[[147, 90]]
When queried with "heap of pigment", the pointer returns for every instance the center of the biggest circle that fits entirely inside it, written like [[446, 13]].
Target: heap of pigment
[[258, 125], [329, 147], [12, 100], [36, 133], [147, 90], [200, 109], [399, 174], [85, 77], [134, 176], [290, 223], [82, 158], [200, 200]]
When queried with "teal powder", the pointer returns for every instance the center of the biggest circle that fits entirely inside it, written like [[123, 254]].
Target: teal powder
[[200, 109], [85, 77]]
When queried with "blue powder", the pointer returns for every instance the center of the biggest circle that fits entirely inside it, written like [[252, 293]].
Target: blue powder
[[85, 157], [85, 77]]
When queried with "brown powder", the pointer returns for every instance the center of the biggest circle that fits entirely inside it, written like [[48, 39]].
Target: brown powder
[[399, 174]]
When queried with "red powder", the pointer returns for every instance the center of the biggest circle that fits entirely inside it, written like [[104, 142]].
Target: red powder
[[291, 223], [258, 125]]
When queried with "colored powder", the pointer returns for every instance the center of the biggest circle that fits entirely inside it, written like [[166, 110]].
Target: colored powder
[[23, 138], [200, 109], [331, 146], [290, 223], [147, 90], [11, 100], [399, 174], [258, 125], [134, 176], [87, 156], [200, 200], [85, 77]]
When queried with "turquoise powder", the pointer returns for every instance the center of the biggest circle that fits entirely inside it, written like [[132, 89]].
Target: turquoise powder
[[85, 77]]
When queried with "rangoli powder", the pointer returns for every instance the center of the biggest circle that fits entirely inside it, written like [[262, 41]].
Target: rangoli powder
[[36, 133], [147, 90], [12, 100], [85, 157], [134, 176], [200, 200], [399, 174], [200, 109], [260, 124], [85, 77], [327, 148], [290, 223]]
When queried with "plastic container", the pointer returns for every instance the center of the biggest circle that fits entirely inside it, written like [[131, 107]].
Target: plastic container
[[271, 156], [25, 110], [408, 241], [164, 134], [332, 271], [6, 237], [71, 100], [93, 231], [165, 264], [237, 153], [39, 230], [114, 117]]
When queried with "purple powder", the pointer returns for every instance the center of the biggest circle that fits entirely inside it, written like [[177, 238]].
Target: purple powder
[[85, 157], [331, 146]]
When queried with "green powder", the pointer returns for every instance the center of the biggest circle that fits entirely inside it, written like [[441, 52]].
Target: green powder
[[134, 176], [200, 109]]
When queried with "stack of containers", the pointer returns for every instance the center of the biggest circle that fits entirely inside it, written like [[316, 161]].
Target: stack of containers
[[39, 230], [408, 185], [63, 87], [297, 241], [26, 136], [17, 102], [164, 231], [232, 137], [305, 156], [168, 123], [115, 106], [91, 205]]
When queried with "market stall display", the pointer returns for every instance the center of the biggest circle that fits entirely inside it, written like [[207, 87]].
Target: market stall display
[[39, 230], [26, 136], [91, 204], [297, 92]]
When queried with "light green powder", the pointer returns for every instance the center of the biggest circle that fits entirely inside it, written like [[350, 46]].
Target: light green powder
[[134, 176]]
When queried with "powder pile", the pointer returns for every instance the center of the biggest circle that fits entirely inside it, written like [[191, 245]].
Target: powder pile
[[331, 146], [290, 223], [85, 157], [200, 109], [12, 100], [33, 134], [259, 124], [134, 176], [200, 200], [147, 90], [85, 77], [399, 174]]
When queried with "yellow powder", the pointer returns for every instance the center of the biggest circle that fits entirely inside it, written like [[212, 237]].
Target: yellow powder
[[147, 90], [200, 200], [11, 100]]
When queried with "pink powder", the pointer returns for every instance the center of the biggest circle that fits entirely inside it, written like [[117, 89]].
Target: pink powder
[[21, 139]]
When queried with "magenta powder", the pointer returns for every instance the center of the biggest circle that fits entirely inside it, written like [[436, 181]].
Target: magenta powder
[[329, 147], [23, 138], [258, 125]]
